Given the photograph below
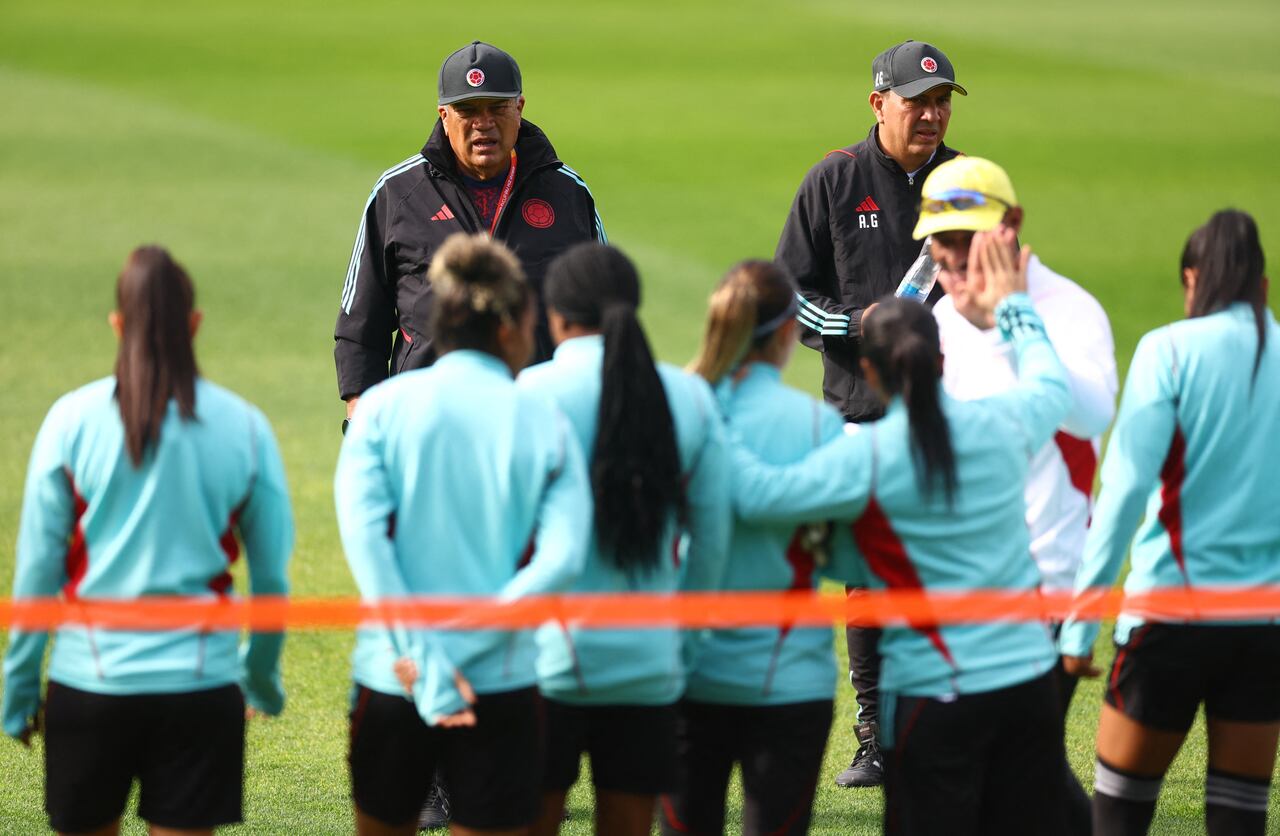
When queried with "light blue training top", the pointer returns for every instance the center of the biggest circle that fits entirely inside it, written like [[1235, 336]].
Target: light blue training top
[[452, 481], [94, 526], [636, 667], [774, 665], [913, 540], [1196, 449]]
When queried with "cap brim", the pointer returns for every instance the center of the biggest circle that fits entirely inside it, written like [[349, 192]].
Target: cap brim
[[923, 85], [978, 219], [478, 95]]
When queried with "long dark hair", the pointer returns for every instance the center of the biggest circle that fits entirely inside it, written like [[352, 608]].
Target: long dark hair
[[753, 300], [635, 463], [478, 285], [901, 341], [156, 362], [1226, 254]]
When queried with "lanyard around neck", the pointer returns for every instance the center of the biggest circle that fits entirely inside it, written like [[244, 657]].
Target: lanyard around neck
[[506, 194]]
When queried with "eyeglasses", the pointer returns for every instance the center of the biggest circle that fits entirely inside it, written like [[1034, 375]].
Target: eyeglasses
[[959, 200]]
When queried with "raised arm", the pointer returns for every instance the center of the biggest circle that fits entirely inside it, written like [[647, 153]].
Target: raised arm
[[833, 482], [1143, 438], [1042, 396]]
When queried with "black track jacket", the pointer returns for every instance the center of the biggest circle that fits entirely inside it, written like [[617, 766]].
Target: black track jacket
[[416, 205], [847, 242]]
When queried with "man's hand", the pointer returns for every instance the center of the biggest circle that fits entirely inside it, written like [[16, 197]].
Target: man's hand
[[465, 717], [998, 272], [407, 672], [351, 406], [866, 312], [1081, 666]]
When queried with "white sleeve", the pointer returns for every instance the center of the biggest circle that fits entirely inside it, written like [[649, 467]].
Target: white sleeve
[[1081, 335]]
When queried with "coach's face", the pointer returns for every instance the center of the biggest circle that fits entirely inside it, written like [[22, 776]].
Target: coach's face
[[912, 129], [482, 133]]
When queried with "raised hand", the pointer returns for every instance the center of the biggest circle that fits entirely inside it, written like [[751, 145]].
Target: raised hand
[[999, 272]]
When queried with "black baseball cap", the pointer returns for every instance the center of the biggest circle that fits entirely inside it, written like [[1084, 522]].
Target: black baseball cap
[[911, 68], [478, 71]]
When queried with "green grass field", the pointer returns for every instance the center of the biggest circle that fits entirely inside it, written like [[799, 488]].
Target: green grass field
[[245, 136]]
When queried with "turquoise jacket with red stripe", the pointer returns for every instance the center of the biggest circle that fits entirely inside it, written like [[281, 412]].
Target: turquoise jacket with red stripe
[[1195, 449], [910, 539], [453, 481], [645, 666], [782, 664], [94, 526]]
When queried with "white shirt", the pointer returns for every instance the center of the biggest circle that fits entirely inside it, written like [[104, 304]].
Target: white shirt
[[977, 364]]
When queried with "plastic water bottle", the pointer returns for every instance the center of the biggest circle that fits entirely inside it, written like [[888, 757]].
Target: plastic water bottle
[[918, 283]]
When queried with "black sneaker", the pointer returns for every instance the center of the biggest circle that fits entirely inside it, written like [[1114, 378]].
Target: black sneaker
[[867, 767], [435, 812]]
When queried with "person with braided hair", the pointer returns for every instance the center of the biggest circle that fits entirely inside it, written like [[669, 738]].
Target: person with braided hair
[[933, 495], [659, 475], [454, 481]]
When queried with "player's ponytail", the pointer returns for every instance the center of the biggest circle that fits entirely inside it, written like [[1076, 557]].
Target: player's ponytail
[[1226, 255], [900, 339], [154, 300], [752, 301], [635, 463], [478, 285]]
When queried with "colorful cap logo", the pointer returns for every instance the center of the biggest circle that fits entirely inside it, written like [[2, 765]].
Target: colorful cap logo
[[475, 76], [928, 64]]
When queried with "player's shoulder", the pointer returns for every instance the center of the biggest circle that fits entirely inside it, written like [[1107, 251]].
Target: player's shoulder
[[684, 385], [82, 403], [1052, 291], [840, 161], [402, 175], [218, 403]]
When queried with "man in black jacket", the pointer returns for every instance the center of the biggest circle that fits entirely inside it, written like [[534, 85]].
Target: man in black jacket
[[847, 242], [484, 169]]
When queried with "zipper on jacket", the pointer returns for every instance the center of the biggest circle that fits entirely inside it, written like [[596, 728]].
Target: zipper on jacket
[[93, 651]]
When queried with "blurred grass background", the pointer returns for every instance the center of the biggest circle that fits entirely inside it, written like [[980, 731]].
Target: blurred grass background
[[245, 136]]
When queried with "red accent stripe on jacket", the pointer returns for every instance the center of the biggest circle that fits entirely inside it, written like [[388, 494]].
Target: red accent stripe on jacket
[[888, 558], [1081, 461], [77, 557], [1172, 475], [231, 548]]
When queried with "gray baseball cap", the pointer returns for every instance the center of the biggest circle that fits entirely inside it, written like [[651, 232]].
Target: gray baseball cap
[[479, 71], [912, 68]]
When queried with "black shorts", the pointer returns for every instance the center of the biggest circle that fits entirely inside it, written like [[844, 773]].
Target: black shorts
[[492, 769], [780, 749], [985, 763], [187, 749], [1163, 673], [632, 747]]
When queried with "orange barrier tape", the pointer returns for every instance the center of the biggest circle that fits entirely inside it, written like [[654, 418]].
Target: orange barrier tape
[[690, 610]]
